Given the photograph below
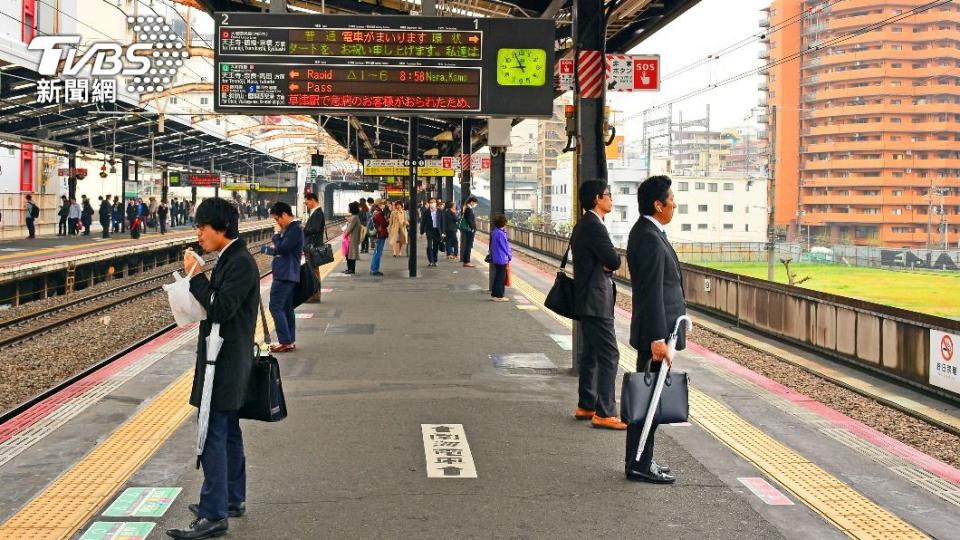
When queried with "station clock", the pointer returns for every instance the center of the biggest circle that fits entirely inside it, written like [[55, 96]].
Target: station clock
[[521, 67]]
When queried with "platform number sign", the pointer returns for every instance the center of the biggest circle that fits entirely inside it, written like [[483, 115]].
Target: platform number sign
[[944, 368]]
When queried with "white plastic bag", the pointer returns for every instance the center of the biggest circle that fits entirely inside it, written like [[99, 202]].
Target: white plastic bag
[[186, 309]]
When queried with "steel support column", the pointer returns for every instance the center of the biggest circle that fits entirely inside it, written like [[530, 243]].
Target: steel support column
[[498, 162], [589, 34], [72, 178], [414, 155], [466, 149]]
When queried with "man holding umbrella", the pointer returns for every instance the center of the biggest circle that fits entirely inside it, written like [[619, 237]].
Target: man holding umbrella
[[230, 297], [657, 304]]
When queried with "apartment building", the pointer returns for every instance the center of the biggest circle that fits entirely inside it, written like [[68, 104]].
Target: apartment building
[[867, 123]]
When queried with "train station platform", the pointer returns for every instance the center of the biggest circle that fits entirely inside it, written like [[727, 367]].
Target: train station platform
[[390, 372], [47, 247]]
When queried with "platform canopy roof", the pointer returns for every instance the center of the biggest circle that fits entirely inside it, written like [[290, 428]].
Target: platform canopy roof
[[629, 23], [121, 128]]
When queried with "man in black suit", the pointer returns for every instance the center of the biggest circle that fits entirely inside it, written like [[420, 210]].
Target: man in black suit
[[430, 219], [594, 261], [231, 297], [315, 231], [657, 303]]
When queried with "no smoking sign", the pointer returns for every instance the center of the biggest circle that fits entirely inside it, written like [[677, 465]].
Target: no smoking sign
[[946, 348]]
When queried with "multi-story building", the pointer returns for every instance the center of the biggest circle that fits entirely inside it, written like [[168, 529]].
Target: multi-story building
[[866, 124], [723, 207], [551, 139]]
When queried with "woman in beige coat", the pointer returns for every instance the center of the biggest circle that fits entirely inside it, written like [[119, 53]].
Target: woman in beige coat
[[398, 229], [352, 235]]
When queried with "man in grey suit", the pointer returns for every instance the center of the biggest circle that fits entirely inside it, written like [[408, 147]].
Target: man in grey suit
[[657, 303], [594, 261]]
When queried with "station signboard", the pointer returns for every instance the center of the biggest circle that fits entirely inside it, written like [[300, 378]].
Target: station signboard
[[173, 178], [436, 167], [240, 186], [357, 64], [204, 180], [385, 167]]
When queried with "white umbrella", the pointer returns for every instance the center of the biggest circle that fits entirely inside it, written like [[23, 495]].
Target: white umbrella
[[661, 377], [214, 342]]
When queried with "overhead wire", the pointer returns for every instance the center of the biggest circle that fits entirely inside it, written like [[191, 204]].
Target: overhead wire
[[793, 56]]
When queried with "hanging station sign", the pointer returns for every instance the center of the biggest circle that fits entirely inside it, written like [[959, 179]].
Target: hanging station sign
[[204, 180], [355, 64], [385, 167]]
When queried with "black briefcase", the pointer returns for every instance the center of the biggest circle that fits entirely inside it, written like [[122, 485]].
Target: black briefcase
[[637, 391], [265, 400], [320, 255], [308, 286], [560, 299]]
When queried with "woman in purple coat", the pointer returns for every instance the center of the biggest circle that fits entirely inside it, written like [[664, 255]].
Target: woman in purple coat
[[500, 256]]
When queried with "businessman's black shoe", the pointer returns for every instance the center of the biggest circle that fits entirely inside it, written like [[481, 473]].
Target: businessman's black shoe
[[234, 510], [200, 528], [656, 476]]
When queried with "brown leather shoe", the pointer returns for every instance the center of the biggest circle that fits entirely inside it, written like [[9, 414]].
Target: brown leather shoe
[[610, 422], [583, 414], [468, 265]]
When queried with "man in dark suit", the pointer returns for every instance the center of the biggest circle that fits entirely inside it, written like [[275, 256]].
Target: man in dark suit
[[105, 213], [657, 303], [287, 250], [467, 236], [315, 231], [230, 297], [430, 219], [594, 261]]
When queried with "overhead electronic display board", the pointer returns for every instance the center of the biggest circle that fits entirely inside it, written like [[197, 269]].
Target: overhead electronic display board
[[402, 65]]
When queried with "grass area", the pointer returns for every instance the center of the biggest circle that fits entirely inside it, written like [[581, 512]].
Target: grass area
[[926, 292]]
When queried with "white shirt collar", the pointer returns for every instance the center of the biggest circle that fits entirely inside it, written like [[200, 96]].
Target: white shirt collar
[[657, 223], [594, 212], [225, 248]]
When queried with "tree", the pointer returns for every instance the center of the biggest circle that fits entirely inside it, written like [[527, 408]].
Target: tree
[[792, 276]]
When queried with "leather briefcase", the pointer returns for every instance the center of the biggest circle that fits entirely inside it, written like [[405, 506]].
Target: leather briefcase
[[560, 299], [265, 401], [320, 255], [637, 391]]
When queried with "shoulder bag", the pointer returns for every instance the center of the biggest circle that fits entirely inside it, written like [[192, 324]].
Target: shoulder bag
[[637, 391], [560, 299], [322, 254], [308, 285], [265, 401]]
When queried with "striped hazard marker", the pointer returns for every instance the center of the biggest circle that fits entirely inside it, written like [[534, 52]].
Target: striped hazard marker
[[590, 74]]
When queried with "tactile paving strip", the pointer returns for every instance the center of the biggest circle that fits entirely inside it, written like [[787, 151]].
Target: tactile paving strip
[[840, 504], [922, 478]]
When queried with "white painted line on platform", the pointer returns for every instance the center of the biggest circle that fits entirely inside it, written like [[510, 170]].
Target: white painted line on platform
[[766, 492], [12, 249], [528, 308], [521, 299], [447, 451], [303, 315], [565, 341], [680, 424]]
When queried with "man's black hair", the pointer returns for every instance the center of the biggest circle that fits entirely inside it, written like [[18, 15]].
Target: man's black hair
[[280, 208], [653, 189], [472, 199], [354, 208], [311, 196], [219, 214], [369, 200], [589, 191]]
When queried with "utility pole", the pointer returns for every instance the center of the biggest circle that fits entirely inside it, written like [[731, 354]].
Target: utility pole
[[930, 216], [772, 195]]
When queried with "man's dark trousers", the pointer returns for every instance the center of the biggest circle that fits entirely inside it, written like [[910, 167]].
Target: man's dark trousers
[[636, 429], [224, 466], [31, 229], [433, 245], [599, 358], [466, 246], [281, 307], [105, 225]]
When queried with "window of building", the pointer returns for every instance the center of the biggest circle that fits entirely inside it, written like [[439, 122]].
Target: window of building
[[728, 186], [682, 209], [728, 208], [683, 186], [701, 208], [173, 100], [746, 227], [701, 226], [686, 227], [203, 100], [898, 193], [713, 188], [699, 186], [898, 211], [894, 120], [897, 29]]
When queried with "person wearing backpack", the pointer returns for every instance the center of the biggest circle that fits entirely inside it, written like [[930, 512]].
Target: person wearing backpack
[[32, 211]]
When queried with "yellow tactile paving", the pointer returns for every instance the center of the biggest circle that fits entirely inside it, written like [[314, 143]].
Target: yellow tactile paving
[[846, 508], [71, 500]]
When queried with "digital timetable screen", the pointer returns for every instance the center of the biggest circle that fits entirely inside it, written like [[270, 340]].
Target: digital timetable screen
[[330, 64]]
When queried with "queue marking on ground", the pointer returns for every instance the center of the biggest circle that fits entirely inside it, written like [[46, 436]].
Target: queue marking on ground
[[73, 499], [447, 451], [847, 509]]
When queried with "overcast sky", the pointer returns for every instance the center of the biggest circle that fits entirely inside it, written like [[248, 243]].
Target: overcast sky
[[707, 28]]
